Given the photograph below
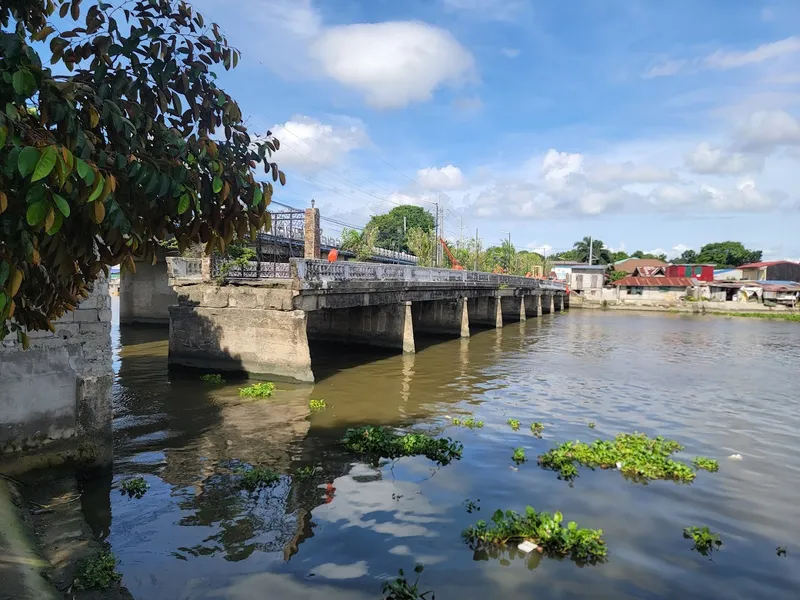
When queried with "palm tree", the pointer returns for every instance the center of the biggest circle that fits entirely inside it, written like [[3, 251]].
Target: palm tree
[[599, 253]]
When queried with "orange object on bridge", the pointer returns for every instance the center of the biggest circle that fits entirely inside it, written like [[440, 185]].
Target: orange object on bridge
[[333, 255]]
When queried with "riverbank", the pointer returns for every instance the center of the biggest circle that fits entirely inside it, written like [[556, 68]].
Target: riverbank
[[723, 309]]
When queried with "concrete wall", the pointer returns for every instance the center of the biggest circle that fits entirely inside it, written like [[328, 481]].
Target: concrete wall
[[55, 397], [145, 296]]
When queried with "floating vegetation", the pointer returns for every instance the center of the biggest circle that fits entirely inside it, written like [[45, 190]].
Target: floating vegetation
[[705, 541], [519, 455], [469, 422], [382, 442], [317, 405], [255, 478], [401, 589], [472, 506], [634, 454], [537, 429], [544, 530], [709, 464], [265, 389], [212, 378], [780, 550], [306, 472], [591, 424], [514, 424], [98, 572], [135, 487]]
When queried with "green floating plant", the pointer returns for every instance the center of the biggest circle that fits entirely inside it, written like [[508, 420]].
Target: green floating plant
[[472, 505], [519, 455], [135, 487], [317, 405], [264, 389], [382, 442], [537, 429], [215, 378], [306, 472], [704, 540], [514, 424], [469, 422], [255, 478], [541, 528], [98, 572], [401, 589], [709, 464]]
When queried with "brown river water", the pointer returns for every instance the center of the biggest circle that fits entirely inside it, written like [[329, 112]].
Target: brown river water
[[718, 385]]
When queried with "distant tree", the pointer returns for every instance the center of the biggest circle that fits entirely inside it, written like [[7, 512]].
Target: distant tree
[[640, 254], [616, 275], [728, 254], [619, 255], [688, 257], [390, 226], [362, 243], [567, 255], [421, 245], [595, 248]]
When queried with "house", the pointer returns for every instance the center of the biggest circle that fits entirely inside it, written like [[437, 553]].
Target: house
[[655, 288], [563, 268], [587, 280], [699, 272], [776, 270], [630, 264]]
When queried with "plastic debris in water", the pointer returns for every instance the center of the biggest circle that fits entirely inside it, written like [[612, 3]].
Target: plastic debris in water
[[735, 457], [527, 546], [619, 465]]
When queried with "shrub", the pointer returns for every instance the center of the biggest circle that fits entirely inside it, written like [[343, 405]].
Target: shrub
[[469, 422], [212, 378], [256, 478], [514, 424], [537, 429], [264, 389], [709, 464], [584, 545], [381, 442], [98, 572], [704, 540], [634, 454], [134, 487], [317, 405]]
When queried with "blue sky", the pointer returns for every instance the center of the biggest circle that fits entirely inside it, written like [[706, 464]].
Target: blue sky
[[649, 125]]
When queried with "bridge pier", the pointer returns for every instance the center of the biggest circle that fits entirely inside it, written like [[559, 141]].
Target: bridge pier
[[383, 325], [485, 311], [513, 309], [547, 303], [565, 300], [446, 317], [533, 305], [145, 296]]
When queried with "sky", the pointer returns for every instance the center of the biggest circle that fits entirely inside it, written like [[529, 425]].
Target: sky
[[657, 126]]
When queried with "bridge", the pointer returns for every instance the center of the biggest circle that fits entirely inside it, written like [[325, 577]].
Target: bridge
[[259, 323]]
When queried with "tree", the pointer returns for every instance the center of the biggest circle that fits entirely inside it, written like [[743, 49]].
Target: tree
[[599, 253], [421, 245], [728, 254], [619, 255], [688, 257], [135, 143], [362, 243], [640, 254], [393, 232]]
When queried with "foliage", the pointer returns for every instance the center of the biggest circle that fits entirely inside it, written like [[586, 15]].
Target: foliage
[[306, 472], [709, 464], [705, 541], [317, 404], [591, 424], [362, 243], [381, 442], [616, 275], [263, 389], [212, 378], [392, 232], [126, 141], [514, 423], [422, 245], [472, 505], [640, 254], [727, 254], [256, 478], [595, 248], [688, 257], [401, 589], [237, 255], [619, 255], [634, 454], [98, 572], [469, 422], [583, 545], [537, 429], [519, 455], [135, 487]]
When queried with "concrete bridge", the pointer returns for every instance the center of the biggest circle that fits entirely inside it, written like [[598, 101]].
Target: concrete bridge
[[263, 325]]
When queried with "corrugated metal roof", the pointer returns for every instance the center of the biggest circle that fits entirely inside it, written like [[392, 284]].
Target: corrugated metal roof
[[629, 264], [768, 263], [657, 281]]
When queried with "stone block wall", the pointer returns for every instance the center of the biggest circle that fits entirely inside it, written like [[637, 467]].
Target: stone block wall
[[55, 397]]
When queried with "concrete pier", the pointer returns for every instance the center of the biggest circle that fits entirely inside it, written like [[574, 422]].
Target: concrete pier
[[145, 296]]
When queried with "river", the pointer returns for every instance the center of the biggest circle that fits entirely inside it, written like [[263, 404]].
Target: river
[[720, 386]]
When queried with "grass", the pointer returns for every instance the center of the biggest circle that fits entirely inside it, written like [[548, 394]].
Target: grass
[[537, 429], [382, 442], [212, 378], [98, 572], [265, 389], [546, 530], [469, 422], [317, 405], [308, 472], [709, 464], [519, 455], [634, 454], [135, 487], [514, 423], [255, 478], [780, 316], [401, 589], [704, 540]]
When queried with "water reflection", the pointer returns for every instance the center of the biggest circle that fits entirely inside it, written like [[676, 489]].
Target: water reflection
[[717, 386]]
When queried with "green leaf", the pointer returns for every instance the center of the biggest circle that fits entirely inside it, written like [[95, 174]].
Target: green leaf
[[36, 213], [5, 269], [35, 194], [98, 189], [45, 164], [183, 204], [3, 301], [62, 204], [57, 222], [257, 195], [24, 83], [165, 183], [82, 168], [3, 134], [217, 185], [27, 160]]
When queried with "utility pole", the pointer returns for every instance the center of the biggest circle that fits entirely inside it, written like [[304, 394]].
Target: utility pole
[[404, 225], [591, 250], [435, 256], [477, 248]]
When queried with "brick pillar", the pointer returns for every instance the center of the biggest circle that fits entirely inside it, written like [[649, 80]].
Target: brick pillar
[[311, 233]]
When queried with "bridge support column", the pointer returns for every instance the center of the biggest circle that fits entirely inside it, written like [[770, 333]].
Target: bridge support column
[[447, 317], [513, 309], [485, 312], [547, 303], [533, 306], [558, 300], [384, 325], [145, 296]]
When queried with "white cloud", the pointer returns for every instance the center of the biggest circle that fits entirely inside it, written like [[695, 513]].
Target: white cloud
[[708, 159], [510, 52], [557, 166], [310, 145], [393, 63], [627, 172], [446, 178], [665, 69], [767, 129], [677, 250], [744, 197]]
